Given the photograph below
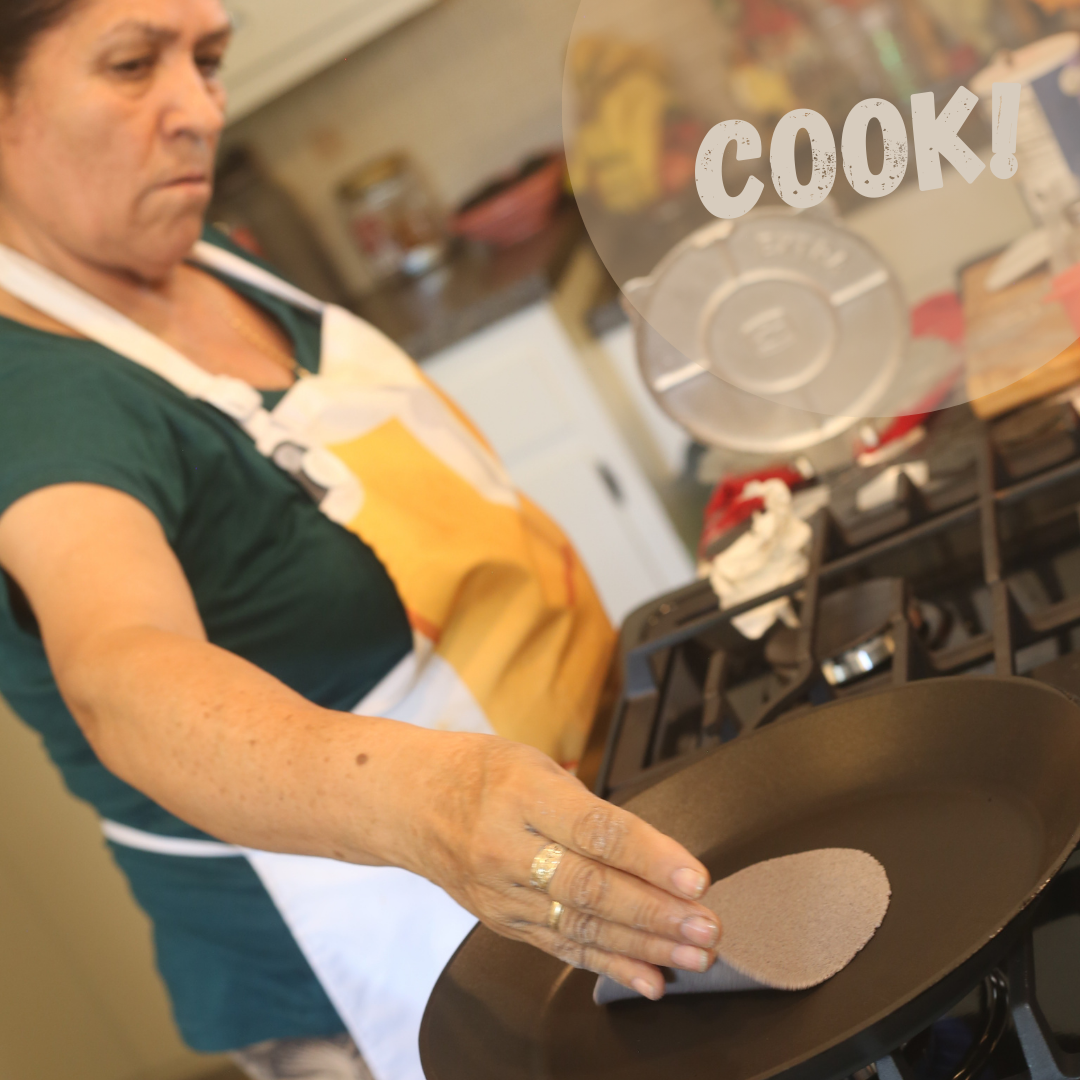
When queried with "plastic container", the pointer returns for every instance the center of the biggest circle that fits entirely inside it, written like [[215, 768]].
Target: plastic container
[[393, 218]]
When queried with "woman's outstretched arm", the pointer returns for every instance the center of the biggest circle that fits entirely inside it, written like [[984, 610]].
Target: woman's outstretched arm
[[231, 750]]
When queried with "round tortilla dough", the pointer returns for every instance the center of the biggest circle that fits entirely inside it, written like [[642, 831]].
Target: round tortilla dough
[[793, 922], [787, 924]]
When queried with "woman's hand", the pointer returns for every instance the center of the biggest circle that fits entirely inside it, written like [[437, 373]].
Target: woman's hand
[[627, 890]]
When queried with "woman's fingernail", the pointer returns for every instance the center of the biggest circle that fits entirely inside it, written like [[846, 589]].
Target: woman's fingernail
[[646, 989], [689, 882], [690, 959], [700, 931]]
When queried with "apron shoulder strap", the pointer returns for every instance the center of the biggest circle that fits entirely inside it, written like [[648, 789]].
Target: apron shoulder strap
[[239, 268], [52, 295], [329, 482], [60, 299]]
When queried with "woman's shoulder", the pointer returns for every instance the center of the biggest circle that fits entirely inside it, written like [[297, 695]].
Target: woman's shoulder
[[31, 357], [71, 412], [69, 397], [34, 354], [41, 369]]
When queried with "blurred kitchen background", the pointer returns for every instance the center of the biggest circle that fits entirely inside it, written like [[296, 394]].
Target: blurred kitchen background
[[406, 158]]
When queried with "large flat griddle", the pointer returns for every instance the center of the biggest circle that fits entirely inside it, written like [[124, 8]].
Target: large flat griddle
[[966, 789]]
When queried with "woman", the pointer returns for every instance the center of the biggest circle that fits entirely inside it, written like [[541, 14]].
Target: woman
[[193, 631]]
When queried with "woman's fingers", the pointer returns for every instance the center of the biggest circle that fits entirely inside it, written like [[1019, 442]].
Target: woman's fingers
[[530, 925], [607, 834], [594, 932], [625, 871], [643, 978], [592, 889]]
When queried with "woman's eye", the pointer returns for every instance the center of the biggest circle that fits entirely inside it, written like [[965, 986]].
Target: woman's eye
[[210, 66], [134, 68]]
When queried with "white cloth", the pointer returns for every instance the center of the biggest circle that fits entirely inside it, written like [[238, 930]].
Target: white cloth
[[772, 554], [334, 1058], [378, 937]]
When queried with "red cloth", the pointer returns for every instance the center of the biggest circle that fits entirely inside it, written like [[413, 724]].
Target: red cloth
[[1066, 291], [728, 509], [762, 18], [939, 316]]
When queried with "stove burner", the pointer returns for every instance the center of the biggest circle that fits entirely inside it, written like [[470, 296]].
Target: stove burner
[[922, 1057], [862, 660], [853, 636]]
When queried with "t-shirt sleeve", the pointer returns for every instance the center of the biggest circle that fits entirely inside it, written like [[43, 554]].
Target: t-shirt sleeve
[[77, 419]]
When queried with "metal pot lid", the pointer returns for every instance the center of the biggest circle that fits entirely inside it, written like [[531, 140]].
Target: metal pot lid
[[769, 334]]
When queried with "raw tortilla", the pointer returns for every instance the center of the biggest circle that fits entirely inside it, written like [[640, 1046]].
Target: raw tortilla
[[787, 924]]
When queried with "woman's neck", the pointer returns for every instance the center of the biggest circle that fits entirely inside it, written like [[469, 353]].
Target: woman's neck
[[145, 294]]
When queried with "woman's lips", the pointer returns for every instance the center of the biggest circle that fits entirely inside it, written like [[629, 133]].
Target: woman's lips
[[197, 179], [188, 181]]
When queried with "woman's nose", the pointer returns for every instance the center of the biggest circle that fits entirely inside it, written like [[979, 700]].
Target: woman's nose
[[195, 106]]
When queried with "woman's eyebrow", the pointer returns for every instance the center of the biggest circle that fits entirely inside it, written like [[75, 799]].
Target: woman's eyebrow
[[217, 37], [150, 32], [154, 34]]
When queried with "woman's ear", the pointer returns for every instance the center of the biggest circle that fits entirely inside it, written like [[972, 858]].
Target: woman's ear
[[8, 102]]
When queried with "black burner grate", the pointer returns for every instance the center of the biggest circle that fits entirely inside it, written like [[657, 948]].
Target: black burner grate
[[1001, 565]]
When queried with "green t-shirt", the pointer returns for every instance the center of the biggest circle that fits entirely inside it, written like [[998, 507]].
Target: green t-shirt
[[275, 582]]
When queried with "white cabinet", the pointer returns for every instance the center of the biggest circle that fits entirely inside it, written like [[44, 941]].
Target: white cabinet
[[278, 43], [521, 383], [670, 441]]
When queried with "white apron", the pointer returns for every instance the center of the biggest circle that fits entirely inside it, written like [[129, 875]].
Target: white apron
[[509, 636]]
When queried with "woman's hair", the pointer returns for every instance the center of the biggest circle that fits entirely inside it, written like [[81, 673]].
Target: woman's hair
[[21, 22]]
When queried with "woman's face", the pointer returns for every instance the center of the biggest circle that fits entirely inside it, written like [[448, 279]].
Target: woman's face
[[107, 141]]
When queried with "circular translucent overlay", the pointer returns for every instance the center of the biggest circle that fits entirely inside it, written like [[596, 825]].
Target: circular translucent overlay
[[824, 211]]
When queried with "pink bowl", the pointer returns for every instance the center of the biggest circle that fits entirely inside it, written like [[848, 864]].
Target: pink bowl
[[516, 209]]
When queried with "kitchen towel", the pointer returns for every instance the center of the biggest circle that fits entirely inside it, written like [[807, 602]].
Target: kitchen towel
[[771, 554], [786, 924]]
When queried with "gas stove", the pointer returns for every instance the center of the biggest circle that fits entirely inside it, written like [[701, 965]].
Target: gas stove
[[974, 571]]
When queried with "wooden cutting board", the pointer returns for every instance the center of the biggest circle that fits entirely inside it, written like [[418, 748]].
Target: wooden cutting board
[[1010, 334]]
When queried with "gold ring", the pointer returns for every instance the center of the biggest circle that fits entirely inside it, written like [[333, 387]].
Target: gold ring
[[544, 866], [554, 915]]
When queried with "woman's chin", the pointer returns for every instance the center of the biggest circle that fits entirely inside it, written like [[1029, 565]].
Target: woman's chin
[[176, 217], [153, 250]]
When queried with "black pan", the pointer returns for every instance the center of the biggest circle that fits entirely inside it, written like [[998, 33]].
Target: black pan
[[966, 789]]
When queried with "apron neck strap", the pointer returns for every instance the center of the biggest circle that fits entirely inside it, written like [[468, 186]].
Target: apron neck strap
[[332, 486], [60, 299], [240, 269]]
